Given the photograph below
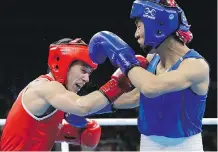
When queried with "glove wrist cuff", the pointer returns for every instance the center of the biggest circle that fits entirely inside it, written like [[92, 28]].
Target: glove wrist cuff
[[129, 68], [111, 90], [126, 62]]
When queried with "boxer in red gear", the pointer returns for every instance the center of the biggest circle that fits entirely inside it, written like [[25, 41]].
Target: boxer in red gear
[[74, 136], [34, 122]]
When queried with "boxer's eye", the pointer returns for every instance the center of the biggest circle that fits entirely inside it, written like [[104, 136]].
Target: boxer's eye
[[83, 71]]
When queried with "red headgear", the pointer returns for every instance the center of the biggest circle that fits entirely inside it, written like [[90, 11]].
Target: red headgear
[[63, 53]]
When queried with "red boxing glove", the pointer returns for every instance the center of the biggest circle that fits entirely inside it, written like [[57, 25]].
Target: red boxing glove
[[90, 137], [119, 83], [143, 61], [69, 134]]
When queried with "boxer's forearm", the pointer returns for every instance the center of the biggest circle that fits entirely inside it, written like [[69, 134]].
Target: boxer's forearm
[[128, 100], [144, 81], [92, 102]]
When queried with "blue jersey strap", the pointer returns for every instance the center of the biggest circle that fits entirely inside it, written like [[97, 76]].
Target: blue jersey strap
[[189, 54]]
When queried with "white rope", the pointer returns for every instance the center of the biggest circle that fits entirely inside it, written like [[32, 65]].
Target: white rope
[[131, 122], [121, 122], [65, 147]]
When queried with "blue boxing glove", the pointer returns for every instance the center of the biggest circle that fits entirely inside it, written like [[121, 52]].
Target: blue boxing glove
[[76, 121], [106, 44]]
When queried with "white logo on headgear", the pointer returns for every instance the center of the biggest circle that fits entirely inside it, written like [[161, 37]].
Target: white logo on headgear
[[171, 16], [149, 13], [64, 51]]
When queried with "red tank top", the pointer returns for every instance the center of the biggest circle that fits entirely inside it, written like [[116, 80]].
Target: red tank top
[[25, 132]]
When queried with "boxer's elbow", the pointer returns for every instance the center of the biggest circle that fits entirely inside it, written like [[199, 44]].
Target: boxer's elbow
[[83, 111], [128, 100], [150, 90], [84, 107], [149, 94]]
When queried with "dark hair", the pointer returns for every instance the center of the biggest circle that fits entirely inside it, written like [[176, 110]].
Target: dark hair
[[62, 41], [69, 41]]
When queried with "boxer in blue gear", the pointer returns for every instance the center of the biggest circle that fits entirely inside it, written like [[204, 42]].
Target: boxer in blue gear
[[171, 93]]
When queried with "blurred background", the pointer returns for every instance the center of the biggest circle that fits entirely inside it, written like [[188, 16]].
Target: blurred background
[[28, 27]]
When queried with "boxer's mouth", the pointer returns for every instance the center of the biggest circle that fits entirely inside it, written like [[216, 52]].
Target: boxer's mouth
[[79, 86]]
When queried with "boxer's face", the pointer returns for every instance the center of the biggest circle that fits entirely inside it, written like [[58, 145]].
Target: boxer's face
[[77, 76], [139, 33]]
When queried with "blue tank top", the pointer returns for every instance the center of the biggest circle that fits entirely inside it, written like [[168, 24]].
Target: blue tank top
[[175, 114]]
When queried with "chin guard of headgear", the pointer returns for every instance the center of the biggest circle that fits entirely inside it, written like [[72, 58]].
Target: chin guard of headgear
[[63, 53], [161, 19]]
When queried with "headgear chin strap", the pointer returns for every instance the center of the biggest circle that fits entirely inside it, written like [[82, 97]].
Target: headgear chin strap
[[161, 19]]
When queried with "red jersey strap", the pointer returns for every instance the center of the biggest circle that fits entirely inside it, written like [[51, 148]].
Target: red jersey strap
[[47, 77]]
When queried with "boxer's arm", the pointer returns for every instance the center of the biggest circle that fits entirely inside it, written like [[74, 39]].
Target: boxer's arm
[[55, 94], [130, 99], [190, 72], [127, 100]]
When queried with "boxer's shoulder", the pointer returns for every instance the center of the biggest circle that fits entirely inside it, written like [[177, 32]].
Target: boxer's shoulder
[[195, 64], [42, 89]]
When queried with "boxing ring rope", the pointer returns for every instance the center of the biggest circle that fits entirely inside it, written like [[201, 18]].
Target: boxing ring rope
[[121, 122], [131, 121]]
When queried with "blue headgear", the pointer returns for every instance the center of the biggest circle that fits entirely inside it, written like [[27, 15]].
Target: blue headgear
[[160, 21]]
